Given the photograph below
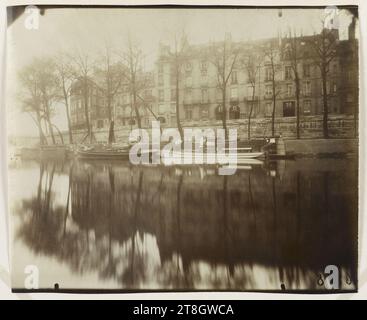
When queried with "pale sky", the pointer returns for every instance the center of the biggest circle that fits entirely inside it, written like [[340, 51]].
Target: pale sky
[[88, 29]]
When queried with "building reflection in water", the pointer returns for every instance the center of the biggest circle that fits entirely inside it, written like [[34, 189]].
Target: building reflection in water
[[189, 228]]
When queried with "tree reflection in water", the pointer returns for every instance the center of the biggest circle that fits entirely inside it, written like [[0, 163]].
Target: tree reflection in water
[[178, 228]]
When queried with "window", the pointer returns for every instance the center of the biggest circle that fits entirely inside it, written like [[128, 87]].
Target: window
[[188, 68], [268, 74], [173, 107], [254, 106], [289, 90], [161, 95], [306, 70], [327, 87], [250, 90], [307, 107], [161, 119], [289, 109], [234, 77], [288, 72], [204, 80], [124, 99], [287, 53], [188, 81], [204, 68], [160, 68], [127, 111], [188, 113], [160, 79], [219, 94], [173, 78], [188, 95], [234, 93], [148, 93], [99, 124], [234, 112], [204, 95], [219, 112], [307, 88], [161, 108], [173, 94], [335, 68], [268, 109], [306, 54], [205, 113], [334, 87], [268, 90]]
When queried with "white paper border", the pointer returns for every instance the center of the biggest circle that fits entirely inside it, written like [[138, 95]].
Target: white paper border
[[5, 292]]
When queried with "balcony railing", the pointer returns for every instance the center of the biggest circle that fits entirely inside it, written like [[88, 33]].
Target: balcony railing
[[249, 98]]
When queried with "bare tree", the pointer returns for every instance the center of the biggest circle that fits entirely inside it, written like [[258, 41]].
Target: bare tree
[[66, 75], [223, 57], [40, 93], [132, 59], [48, 86], [251, 65], [272, 55], [83, 72], [178, 57], [292, 51], [31, 103], [111, 75], [324, 51]]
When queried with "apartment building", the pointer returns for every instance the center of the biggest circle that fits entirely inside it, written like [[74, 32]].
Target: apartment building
[[201, 96]]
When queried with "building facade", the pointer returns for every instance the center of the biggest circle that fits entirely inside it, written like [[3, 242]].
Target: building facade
[[201, 99]]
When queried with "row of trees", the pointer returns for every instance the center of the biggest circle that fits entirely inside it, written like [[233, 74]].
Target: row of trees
[[47, 82], [226, 55], [323, 49]]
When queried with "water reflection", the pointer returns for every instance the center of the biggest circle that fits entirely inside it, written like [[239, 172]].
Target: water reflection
[[188, 228]]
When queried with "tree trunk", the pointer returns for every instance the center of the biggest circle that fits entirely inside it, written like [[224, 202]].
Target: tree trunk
[[86, 110], [68, 116], [43, 140], [60, 134], [179, 127], [50, 128], [250, 114], [297, 108], [325, 104], [224, 113], [111, 134], [273, 116], [48, 120], [111, 131], [274, 101], [136, 110], [355, 120]]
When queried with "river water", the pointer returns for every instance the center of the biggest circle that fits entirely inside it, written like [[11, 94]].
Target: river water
[[112, 225]]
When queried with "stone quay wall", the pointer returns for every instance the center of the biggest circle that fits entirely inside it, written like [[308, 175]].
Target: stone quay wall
[[340, 126]]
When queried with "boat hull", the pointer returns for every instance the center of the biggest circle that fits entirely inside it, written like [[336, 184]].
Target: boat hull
[[103, 155]]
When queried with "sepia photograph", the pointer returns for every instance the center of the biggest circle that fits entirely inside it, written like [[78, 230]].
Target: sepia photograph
[[182, 148]]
